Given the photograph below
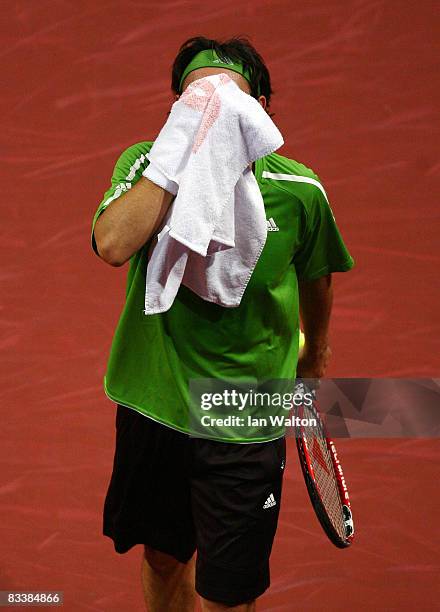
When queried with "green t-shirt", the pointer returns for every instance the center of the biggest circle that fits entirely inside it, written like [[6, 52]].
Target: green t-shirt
[[154, 359]]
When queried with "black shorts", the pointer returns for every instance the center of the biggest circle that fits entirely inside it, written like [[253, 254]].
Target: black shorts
[[178, 494]]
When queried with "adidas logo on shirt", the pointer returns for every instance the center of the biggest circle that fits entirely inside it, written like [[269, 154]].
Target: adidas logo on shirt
[[270, 502], [272, 226]]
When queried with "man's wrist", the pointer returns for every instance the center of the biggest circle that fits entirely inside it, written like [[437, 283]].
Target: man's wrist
[[156, 176], [316, 346]]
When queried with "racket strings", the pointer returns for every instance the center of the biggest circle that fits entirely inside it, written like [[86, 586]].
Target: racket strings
[[322, 465]]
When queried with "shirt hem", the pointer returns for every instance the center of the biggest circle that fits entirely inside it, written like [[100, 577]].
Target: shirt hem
[[113, 398]]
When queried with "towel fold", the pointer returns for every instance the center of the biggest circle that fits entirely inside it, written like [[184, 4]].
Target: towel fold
[[214, 232]]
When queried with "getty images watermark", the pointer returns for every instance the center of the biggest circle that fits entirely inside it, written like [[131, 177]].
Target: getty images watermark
[[245, 401], [350, 407], [247, 410]]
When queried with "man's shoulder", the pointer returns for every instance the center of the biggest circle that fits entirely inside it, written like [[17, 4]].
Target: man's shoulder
[[139, 147], [274, 163], [279, 164], [292, 176], [135, 151]]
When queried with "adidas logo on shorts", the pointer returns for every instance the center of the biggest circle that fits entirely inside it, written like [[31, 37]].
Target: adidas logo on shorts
[[270, 502]]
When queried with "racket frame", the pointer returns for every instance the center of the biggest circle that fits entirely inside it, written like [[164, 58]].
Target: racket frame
[[309, 477]]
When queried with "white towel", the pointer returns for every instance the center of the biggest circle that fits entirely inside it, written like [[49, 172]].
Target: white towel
[[215, 230]]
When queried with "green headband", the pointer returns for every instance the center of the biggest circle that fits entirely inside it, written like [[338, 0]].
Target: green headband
[[209, 59]]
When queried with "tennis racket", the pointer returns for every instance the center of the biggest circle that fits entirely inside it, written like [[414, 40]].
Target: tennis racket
[[322, 470]]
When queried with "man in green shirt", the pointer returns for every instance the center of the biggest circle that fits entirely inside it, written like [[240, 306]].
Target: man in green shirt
[[176, 488]]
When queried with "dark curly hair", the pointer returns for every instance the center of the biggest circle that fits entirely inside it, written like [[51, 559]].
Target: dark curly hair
[[239, 49]]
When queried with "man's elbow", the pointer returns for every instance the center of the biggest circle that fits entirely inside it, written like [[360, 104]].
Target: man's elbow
[[107, 244], [114, 261], [109, 253]]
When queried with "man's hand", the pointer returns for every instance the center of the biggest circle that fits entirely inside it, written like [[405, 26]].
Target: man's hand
[[315, 302]]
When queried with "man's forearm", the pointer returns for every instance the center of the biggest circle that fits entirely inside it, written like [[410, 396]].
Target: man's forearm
[[129, 221], [315, 302]]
